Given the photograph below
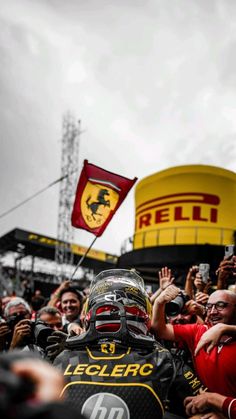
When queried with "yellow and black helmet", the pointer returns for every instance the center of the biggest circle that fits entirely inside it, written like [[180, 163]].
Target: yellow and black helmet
[[120, 286]]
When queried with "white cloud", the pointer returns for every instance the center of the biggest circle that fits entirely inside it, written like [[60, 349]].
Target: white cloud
[[153, 83]]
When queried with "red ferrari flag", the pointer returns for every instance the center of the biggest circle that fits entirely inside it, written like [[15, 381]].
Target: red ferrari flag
[[98, 196]]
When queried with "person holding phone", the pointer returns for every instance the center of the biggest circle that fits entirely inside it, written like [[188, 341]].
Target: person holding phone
[[226, 271], [198, 283], [202, 283]]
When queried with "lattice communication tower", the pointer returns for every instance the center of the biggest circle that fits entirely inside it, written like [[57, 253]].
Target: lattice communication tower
[[69, 166]]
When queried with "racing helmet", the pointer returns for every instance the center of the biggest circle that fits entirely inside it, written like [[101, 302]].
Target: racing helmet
[[121, 286]]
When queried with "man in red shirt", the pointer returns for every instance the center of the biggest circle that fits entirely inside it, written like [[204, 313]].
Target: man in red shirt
[[212, 345]]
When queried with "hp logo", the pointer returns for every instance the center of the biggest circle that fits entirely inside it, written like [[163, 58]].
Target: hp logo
[[105, 406]]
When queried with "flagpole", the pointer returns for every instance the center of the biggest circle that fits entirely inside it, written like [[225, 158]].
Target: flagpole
[[83, 257]]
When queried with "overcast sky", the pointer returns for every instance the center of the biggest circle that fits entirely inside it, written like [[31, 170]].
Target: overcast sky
[[153, 82]]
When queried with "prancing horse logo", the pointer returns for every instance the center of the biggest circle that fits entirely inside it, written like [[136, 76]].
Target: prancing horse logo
[[98, 202], [94, 205]]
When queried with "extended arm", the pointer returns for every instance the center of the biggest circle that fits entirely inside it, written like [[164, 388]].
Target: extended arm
[[189, 281], [159, 325], [55, 297], [227, 269], [212, 336]]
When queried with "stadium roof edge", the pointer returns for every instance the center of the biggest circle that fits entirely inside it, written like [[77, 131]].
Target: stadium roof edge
[[34, 244]]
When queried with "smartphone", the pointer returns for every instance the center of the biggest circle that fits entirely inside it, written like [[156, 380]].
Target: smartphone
[[204, 269], [229, 250]]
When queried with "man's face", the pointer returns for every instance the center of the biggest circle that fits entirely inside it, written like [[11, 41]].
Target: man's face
[[226, 310], [70, 305], [180, 319], [19, 310], [52, 320]]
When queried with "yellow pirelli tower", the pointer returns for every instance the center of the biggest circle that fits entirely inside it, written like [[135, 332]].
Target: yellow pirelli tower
[[184, 214]]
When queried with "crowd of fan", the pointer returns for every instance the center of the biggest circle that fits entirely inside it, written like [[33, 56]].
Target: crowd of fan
[[184, 320]]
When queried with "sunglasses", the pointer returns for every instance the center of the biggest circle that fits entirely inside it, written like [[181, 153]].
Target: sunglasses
[[219, 306], [53, 325], [19, 314]]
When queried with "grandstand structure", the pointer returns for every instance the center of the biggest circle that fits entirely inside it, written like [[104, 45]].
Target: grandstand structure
[[28, 255]]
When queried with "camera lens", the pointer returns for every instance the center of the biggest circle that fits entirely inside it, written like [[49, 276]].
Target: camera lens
[[174, 307], [41, 333]]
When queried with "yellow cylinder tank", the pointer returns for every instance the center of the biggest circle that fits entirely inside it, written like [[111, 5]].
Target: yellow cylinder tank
[[193, 204]]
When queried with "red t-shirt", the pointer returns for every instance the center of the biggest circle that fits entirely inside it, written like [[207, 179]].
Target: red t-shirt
[[229, 408], [216, 370]]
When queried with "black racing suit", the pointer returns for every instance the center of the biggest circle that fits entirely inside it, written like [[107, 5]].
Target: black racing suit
[[109, 380]]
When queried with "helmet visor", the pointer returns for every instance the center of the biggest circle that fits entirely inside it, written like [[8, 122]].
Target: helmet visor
[[108, 319]]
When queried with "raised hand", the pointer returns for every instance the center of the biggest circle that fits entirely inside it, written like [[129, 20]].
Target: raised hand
[[168, 294], [21, 331], [192, 273], [165, 278], [198, 282], [226, 269], [201, 298]]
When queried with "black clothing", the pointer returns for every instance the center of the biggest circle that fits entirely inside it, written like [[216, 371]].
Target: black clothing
[[110, 379]]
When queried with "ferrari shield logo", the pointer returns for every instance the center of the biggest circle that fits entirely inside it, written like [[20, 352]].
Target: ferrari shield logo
[[97, 202], [108, 348], [98, 196]]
